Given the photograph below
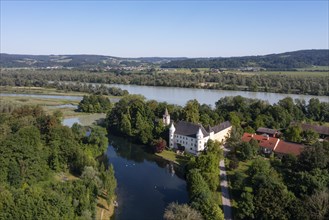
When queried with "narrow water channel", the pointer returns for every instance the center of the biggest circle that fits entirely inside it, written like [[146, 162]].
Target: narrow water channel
[[145, 183]]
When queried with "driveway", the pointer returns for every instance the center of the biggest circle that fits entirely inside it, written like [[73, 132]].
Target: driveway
[[226, 201]]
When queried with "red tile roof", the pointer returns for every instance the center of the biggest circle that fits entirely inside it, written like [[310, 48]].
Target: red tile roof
[[275, 144], [289, 148], [264, 141]]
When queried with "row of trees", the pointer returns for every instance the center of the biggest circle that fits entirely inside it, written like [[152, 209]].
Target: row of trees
[[315, 85], [35, 152], [203, 181]]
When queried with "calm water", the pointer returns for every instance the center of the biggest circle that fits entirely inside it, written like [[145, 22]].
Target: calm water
[[70, 121], [145, 184], [64, 106], [180, 96]]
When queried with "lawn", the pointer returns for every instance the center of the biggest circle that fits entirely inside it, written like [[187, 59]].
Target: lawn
[[173, 157]]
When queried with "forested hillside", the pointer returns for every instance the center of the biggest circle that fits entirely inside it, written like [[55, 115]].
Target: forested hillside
[[49, 171], [283, 61], [76, 61]]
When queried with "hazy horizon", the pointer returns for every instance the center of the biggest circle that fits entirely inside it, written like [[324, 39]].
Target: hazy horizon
[[192, 29], [73, 54]]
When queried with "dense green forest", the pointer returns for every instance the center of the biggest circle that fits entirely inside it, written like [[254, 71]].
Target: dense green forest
[[95, 104], [282, 61], [279, 83], [49, 171]]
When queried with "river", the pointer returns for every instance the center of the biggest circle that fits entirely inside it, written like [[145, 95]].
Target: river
[[180, 96], [145, 184]]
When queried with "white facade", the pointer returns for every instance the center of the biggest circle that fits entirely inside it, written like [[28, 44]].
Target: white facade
[[193, 138]]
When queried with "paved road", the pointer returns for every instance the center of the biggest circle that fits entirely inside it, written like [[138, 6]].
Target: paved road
[[225, 191]]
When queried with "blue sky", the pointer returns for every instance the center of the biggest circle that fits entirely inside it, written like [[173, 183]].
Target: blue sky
[[163, 28]]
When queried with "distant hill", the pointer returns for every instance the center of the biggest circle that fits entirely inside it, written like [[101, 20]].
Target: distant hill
[[282, 61], [76, 61]]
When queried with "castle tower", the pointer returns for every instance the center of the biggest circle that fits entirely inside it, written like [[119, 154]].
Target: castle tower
[[172, 130], [199, 139], [166, 118]]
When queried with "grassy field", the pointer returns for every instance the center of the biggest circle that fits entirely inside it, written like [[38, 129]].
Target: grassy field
[[321, 68], [37, 101], [49, 104], [173, 157], [38, 90]]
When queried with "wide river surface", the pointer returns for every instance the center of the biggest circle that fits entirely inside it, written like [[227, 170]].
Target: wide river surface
[[180, 96], [145, 183]]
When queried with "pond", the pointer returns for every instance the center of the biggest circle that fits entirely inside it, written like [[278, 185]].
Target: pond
[[70, 121], [85, 119], [146, 184]]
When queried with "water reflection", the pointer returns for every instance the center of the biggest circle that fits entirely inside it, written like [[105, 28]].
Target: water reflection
[[70, 121], [145, 184]]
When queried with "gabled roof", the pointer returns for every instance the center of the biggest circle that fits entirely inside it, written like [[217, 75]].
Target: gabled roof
[[189, 129], [221, 126], [289, 148], [264, 141], [275, 144], [317, 128], [266, 130]]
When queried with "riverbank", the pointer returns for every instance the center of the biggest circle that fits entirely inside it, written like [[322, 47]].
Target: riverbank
[[104, 211]]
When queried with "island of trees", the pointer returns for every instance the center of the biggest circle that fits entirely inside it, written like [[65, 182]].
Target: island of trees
[[95, 104]]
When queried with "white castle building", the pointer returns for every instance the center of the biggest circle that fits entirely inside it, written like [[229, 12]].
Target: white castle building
[[194, 137]]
